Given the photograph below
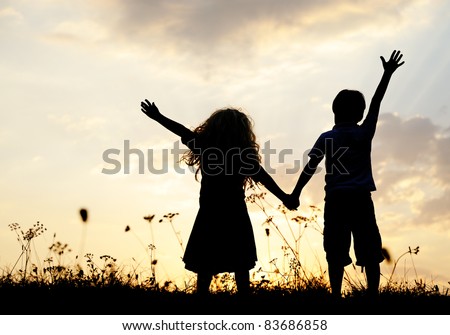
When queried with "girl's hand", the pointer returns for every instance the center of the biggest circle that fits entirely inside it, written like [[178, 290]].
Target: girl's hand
[[393, 63], [150, 109]]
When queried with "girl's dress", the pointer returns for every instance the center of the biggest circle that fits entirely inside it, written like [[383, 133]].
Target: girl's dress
[[222, 238]]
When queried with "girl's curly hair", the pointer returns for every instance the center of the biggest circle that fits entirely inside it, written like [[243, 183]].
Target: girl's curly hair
[[225, 129]]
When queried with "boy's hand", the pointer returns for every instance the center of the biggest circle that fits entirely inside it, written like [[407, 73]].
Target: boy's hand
[[291, 202], [393, 63], [150, 109]]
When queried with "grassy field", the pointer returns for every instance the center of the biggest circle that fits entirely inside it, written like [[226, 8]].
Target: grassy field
[[101, 287], [73, 298]]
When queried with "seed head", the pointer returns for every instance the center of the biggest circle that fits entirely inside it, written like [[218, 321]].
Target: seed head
[[84, 214]]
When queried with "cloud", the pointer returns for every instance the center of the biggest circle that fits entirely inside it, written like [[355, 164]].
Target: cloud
[[442, 149], [10, 14], [10, 19], [406, 141], [435, 211], [411, 167], [230, 40], [207, 23], [414, 143], [81, 31], [81, 124], [232, 29]]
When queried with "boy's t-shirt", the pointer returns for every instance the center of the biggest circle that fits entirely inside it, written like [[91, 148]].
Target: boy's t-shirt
[[347, 151]]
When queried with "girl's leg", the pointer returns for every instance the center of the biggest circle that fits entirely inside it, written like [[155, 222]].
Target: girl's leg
[[203, 282], [243, 282]]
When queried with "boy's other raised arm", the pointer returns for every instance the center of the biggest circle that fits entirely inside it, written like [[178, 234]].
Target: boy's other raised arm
[[150, 109], [389, 67], [315, 157], [308, 171]]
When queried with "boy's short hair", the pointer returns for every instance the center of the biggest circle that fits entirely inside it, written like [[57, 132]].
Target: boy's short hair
[[348, 106]]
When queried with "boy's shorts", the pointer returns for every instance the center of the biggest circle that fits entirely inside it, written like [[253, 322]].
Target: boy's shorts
[[350, 213]]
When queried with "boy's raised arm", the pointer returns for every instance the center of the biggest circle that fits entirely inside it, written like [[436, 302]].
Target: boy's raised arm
[[150, 109], [374, 109]]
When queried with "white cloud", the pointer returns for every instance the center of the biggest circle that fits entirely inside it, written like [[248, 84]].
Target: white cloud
[[86, 124], [407, 141], [11, 14], [225, 34], [411, 164], [212, 23], [82, 31]]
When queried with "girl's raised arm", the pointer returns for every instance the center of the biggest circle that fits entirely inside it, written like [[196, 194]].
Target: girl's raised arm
[[150, 109]]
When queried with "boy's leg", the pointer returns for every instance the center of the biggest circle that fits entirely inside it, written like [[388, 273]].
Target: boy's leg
[[243, 282], [373, 278], [336, 274], [203, 282], [368, 244], [337, 238]]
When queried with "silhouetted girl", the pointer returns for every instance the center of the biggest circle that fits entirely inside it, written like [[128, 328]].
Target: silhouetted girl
[[224, 150]]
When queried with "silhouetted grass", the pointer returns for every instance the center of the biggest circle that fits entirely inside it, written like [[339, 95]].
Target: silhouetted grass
[[97, 285], [84, 297]]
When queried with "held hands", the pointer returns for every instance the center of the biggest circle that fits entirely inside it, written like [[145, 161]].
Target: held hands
[[291, 202], [150, 109], [393, 63]]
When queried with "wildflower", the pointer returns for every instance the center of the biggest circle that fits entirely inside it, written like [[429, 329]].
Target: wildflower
[[282, 208], [33, 232], [84, 214], [300, 219], [14, 226], [268, 220], [149, 218], [169, 216]]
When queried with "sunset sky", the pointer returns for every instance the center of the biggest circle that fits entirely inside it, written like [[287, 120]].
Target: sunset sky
[[73, 74]]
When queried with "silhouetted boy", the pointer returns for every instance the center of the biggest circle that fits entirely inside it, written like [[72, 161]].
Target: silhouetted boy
[[349, 182]]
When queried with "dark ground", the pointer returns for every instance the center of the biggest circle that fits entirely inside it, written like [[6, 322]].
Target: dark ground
[[105, 301]]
